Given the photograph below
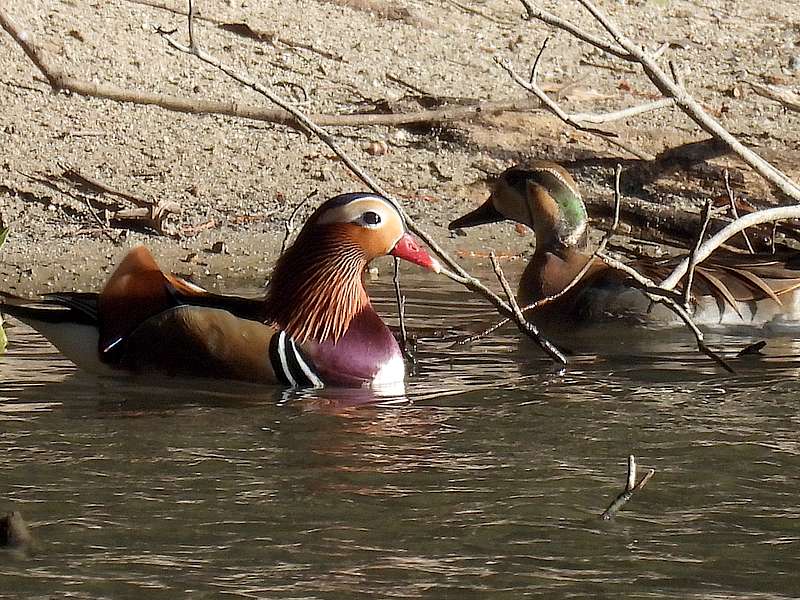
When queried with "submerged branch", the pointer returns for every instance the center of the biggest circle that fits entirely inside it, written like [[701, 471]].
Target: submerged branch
[[631, 487]]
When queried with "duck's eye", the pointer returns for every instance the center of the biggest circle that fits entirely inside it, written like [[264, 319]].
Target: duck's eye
[[371, 218]]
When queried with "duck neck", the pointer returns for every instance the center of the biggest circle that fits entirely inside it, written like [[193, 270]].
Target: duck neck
[[316, 289], [559, 219], [555, 208]]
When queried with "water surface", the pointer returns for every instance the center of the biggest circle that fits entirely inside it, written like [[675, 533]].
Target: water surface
[[484, 481]]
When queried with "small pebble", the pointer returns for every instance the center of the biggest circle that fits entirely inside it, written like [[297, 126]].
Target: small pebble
[[378, 148], [219, 248]]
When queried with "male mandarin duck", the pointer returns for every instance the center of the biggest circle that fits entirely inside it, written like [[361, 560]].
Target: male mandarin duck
[[731, 289], [315, 326]]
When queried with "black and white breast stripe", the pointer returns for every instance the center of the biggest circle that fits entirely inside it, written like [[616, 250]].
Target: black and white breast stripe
[[291, 365]]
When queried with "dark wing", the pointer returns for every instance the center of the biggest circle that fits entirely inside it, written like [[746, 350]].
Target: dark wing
[[64, 307], [186, 293]]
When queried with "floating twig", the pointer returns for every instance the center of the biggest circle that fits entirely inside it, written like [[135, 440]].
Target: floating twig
[[631, 487], [400, 299]]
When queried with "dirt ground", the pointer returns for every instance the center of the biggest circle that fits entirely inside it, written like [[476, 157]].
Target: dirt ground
[[237, 180]]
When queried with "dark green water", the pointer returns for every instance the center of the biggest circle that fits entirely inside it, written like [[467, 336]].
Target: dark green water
[[484, 481]]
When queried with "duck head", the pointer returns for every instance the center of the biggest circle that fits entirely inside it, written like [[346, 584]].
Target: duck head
[[541, 195], [317, 285]]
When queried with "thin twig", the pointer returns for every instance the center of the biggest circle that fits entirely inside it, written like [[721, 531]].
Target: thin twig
[[732, 201], [631, 487], [662, 296], [535, 68], [103, 224], [455, 271], [554, 21], [687, 290], [401, 313], [625, 113], [289, 224], [76, 176], [787, 98], [767, 215], [553, 107], [501, 277]]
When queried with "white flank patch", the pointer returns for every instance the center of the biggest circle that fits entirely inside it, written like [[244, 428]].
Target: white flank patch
[[79, 343]]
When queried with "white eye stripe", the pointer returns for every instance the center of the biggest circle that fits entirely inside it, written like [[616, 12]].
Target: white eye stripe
[[353, 211]]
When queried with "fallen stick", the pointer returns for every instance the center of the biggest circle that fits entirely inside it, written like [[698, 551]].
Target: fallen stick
[[61, 81]]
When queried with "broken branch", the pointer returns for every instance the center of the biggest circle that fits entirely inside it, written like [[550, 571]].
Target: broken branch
[[670, 87], [59, 80]]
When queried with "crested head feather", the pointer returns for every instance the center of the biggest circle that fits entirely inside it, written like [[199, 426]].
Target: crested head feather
[[316, 287]]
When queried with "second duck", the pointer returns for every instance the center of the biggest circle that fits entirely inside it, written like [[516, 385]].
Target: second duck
[[730, 289]]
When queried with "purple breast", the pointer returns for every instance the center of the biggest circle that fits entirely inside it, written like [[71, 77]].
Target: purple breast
[[355, 359]]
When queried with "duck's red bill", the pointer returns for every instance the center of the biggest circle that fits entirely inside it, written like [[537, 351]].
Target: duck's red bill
[[408, 249]]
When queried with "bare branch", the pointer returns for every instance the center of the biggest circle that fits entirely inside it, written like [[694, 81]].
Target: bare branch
[[669, 87], [787, 98], [554, 21], [758, 217], [401, 313], [61, 81], [663, 296], [552, 106], [535, 68], [24, 38], [577, 120], [689, 105], [501, 277], [289, 224], [625, 113], [687, 290]]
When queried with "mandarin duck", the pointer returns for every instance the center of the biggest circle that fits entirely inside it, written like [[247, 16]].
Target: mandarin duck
[[730, 289], [315, 325]]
